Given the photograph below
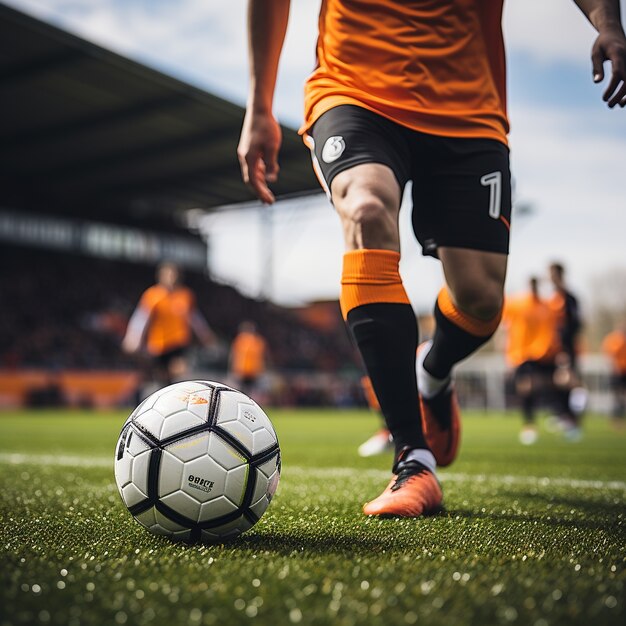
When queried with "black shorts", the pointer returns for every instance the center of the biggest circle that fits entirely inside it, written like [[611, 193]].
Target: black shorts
[[164, 360], [618, 381], [461, 186], [539, 369]]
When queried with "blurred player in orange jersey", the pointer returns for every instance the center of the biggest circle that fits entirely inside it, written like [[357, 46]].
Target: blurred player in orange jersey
[[532, 346], [164, 322], [248, 357], [614, 346], [407, 90]]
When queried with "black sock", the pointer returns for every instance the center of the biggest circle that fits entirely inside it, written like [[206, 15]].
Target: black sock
[[386, 335], [451, 344], [528, 408]]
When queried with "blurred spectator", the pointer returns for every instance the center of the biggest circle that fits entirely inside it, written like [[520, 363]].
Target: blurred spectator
[[614, 346]]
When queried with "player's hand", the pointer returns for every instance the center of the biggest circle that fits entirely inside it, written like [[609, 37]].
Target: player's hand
[[209, 342], [611, 46], [258, 153], [129, 346]]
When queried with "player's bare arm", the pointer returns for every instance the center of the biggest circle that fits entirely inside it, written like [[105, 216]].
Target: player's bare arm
[[202, 329], [610, 45], [136, 330], [261, 135]]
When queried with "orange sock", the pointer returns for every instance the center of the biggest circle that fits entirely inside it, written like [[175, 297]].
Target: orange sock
[[371, 276], [472, 325]]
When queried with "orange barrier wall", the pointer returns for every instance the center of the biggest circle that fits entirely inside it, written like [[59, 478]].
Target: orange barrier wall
[[96, 388]]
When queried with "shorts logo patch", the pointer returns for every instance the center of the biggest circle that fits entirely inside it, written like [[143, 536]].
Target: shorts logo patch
[[333, 148]]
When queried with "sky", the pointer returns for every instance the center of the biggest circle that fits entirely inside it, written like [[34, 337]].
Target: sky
[[568, 150]]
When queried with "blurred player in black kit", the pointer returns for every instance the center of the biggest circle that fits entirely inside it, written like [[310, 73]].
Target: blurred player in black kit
[[571, 395]]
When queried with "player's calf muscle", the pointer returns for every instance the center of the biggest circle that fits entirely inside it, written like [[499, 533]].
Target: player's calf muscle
[[480, 300], [476, 281]]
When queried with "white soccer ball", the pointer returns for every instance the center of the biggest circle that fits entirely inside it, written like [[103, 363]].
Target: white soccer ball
[[197, 460]]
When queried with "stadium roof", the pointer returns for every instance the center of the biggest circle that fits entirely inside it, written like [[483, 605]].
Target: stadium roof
[[85, 131]]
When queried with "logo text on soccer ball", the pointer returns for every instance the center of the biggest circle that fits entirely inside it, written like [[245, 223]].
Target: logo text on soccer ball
[[197, 482]]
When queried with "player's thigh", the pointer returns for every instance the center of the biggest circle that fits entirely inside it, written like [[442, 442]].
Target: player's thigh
[[362, 160], [461, 194], [461, 213]]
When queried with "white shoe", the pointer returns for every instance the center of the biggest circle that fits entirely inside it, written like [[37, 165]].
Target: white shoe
[[578, 400], [572, 433], [528, 435], [379, 442]]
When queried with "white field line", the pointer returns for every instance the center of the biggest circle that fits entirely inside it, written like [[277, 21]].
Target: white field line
[[335, 472]]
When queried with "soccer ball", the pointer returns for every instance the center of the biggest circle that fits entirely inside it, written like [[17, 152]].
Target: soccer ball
[[197, 460]]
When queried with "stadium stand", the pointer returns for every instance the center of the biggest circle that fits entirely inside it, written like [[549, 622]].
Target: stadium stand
[[100, 158], [89, 133]]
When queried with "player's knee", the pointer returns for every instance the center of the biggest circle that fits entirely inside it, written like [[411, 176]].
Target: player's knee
[[367, 222], [369, 214]]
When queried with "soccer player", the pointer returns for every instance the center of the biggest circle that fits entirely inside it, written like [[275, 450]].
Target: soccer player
[[532, 346], [164, 322], [614, 346], [565, 305], [248, 357], [409, 90], [573, 396]]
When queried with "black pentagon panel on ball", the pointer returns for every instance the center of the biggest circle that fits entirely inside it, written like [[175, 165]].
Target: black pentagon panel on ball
[[233, 442], [140, 507], [175, 516], [121, 444]]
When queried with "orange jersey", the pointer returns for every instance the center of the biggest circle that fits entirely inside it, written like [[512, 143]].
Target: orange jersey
[[248, 354], [169, 326], [532, 333], [557, 304], [436, 67], [614, 345]]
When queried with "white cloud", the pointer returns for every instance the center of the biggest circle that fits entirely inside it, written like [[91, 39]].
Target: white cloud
[[549, 31]]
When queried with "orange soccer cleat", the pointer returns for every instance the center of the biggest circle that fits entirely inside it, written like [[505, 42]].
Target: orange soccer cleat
[[413, 491], [441, 421]]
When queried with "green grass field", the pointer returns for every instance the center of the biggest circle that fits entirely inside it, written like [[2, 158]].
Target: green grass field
[[531, 535]]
